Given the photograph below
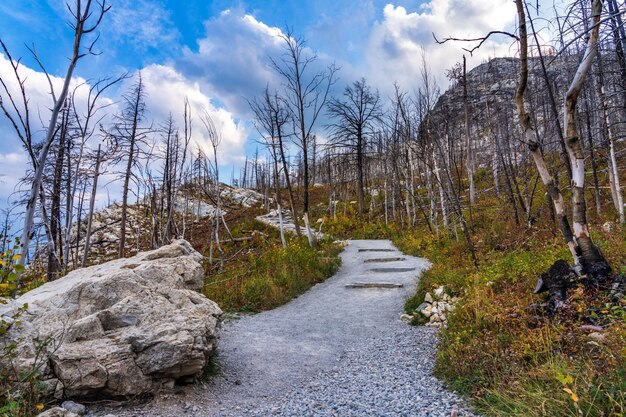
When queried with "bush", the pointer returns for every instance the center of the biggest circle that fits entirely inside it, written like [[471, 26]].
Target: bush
[[20, 392]]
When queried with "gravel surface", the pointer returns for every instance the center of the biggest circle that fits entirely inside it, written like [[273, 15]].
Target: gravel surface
[[334, 351]]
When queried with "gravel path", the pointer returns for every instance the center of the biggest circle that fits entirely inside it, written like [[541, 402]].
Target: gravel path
[[334, 351]]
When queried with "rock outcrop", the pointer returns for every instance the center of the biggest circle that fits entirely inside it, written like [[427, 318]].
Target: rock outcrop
[[105, 229], [123, 328]]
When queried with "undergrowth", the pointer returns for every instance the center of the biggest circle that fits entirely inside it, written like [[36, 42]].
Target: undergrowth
[[497, 350], [20, 392], [270, 277]]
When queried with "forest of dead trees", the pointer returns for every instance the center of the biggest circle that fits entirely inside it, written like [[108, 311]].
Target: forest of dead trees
[[503, 132]]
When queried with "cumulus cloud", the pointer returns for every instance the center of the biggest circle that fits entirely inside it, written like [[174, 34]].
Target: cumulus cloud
[[14, 161], [395, 42], [37, 87], [12, 165], [166, 90], [232, 60]]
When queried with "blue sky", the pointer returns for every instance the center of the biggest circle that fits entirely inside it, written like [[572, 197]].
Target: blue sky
[[329, 25], [216, 52]]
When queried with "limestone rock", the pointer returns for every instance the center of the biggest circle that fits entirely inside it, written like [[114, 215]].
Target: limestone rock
[[429, 298], [75, 408], [422, 307], [122, 328], [242, 196], [608, 227], [439, 292], [57, 412], [597, 336]]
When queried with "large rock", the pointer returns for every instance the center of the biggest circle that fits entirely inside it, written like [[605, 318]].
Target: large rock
[[122, 328], [58, 412]]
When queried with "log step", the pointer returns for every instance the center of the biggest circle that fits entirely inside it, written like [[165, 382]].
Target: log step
[[374, 285], [376, 250]]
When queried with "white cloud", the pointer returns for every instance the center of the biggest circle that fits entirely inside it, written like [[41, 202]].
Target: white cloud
[[232, 60], [12, 165], [14, 161], [233, 63], [38, 93], [395, 42], [166, 90]]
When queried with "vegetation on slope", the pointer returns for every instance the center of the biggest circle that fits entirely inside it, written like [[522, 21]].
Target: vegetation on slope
[[266, 275], [510, 358]]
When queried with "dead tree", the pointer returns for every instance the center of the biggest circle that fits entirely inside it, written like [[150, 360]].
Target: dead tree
[[129, 136], [86, 17], [92, 203], [469, 161], [270, 120], [587, 257], [215, 139], [307, 93], [85, 127], [355, 117]]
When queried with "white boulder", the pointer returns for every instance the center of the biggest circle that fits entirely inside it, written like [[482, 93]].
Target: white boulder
[[123, 328], [439, 292]]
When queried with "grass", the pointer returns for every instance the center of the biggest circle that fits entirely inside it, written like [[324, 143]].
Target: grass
[[497, 351], [269, 275]]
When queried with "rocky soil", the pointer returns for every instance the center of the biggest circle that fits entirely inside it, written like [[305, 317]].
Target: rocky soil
[[106, 223]]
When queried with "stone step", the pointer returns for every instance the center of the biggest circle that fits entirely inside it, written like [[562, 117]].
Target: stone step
[[376, 250], [386, 270], [374, 285], [375, 260]]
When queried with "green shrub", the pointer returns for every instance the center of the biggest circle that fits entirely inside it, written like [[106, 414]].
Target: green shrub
[[20, 392]]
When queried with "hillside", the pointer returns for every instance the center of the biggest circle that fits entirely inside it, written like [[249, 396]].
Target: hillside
[[455, 238]]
